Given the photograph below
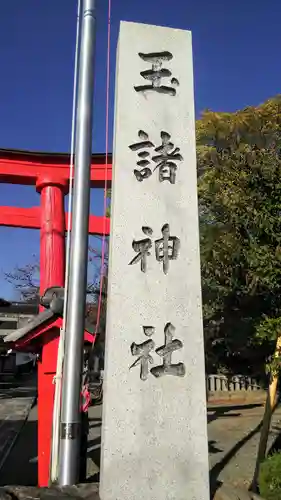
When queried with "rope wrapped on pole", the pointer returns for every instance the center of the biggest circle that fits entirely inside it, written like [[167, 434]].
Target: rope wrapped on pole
[[70, 432]]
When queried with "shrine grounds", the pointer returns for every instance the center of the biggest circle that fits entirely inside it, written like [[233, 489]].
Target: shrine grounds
[[233, 435]]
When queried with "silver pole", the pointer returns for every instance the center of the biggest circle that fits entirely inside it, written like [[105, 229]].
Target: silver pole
[[70, 432]]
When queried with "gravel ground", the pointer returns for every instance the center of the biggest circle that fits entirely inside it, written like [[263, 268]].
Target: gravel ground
[[16, 401], [233, 433]]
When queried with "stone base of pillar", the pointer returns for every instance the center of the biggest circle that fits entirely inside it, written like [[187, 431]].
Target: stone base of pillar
[[80, 491], [91, 492]]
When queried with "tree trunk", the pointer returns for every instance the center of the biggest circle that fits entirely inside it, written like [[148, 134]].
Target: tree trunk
[[269, 408]]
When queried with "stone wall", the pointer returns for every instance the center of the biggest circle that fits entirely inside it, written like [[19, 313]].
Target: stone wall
[[233, 388]]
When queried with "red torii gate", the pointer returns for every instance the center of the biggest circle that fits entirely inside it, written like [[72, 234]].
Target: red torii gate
[[49, 173]]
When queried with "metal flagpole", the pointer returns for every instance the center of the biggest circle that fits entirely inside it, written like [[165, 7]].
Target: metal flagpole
[[70, 432]]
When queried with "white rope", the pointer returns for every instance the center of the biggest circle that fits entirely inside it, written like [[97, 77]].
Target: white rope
[[58, 377]]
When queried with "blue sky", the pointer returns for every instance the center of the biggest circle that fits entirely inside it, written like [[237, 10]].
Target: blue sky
[[236, 63]]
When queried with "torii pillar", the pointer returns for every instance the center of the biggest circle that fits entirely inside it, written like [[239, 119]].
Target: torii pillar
[[52, 272], [50, 174]]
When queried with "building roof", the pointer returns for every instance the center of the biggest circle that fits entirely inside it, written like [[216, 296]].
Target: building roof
[[34, 323], [4, 303], [18, 307], [39, 319]]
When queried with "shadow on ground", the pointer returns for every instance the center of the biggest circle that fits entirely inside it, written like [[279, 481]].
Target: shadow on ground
[[21, 466], [18, 387], [217, 469], [94, 449], [276, 445], [222, 412], [216, 412]]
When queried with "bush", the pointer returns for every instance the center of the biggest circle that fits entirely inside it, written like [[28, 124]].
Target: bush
[[270, 477]]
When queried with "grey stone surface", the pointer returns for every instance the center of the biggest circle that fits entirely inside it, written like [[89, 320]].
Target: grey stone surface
[[154, 439], [21, 464], [81, 491], [90, 492], [4, 495], [16, 400]]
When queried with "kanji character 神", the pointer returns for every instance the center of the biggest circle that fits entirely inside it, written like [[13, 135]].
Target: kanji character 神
[[142, 248], [166, 248]]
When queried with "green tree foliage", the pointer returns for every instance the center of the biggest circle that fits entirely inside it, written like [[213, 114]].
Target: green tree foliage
[[239, 168], [270, 478]]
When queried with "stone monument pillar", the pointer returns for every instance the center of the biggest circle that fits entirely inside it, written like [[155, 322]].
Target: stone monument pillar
[[154, 440]]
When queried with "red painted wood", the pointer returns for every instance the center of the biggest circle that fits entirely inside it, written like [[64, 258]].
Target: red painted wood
[[20, 217], [52, 262], [33, 341], [27, 170], [50, 174], [52, 235], [30, 218], [97, 225]]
